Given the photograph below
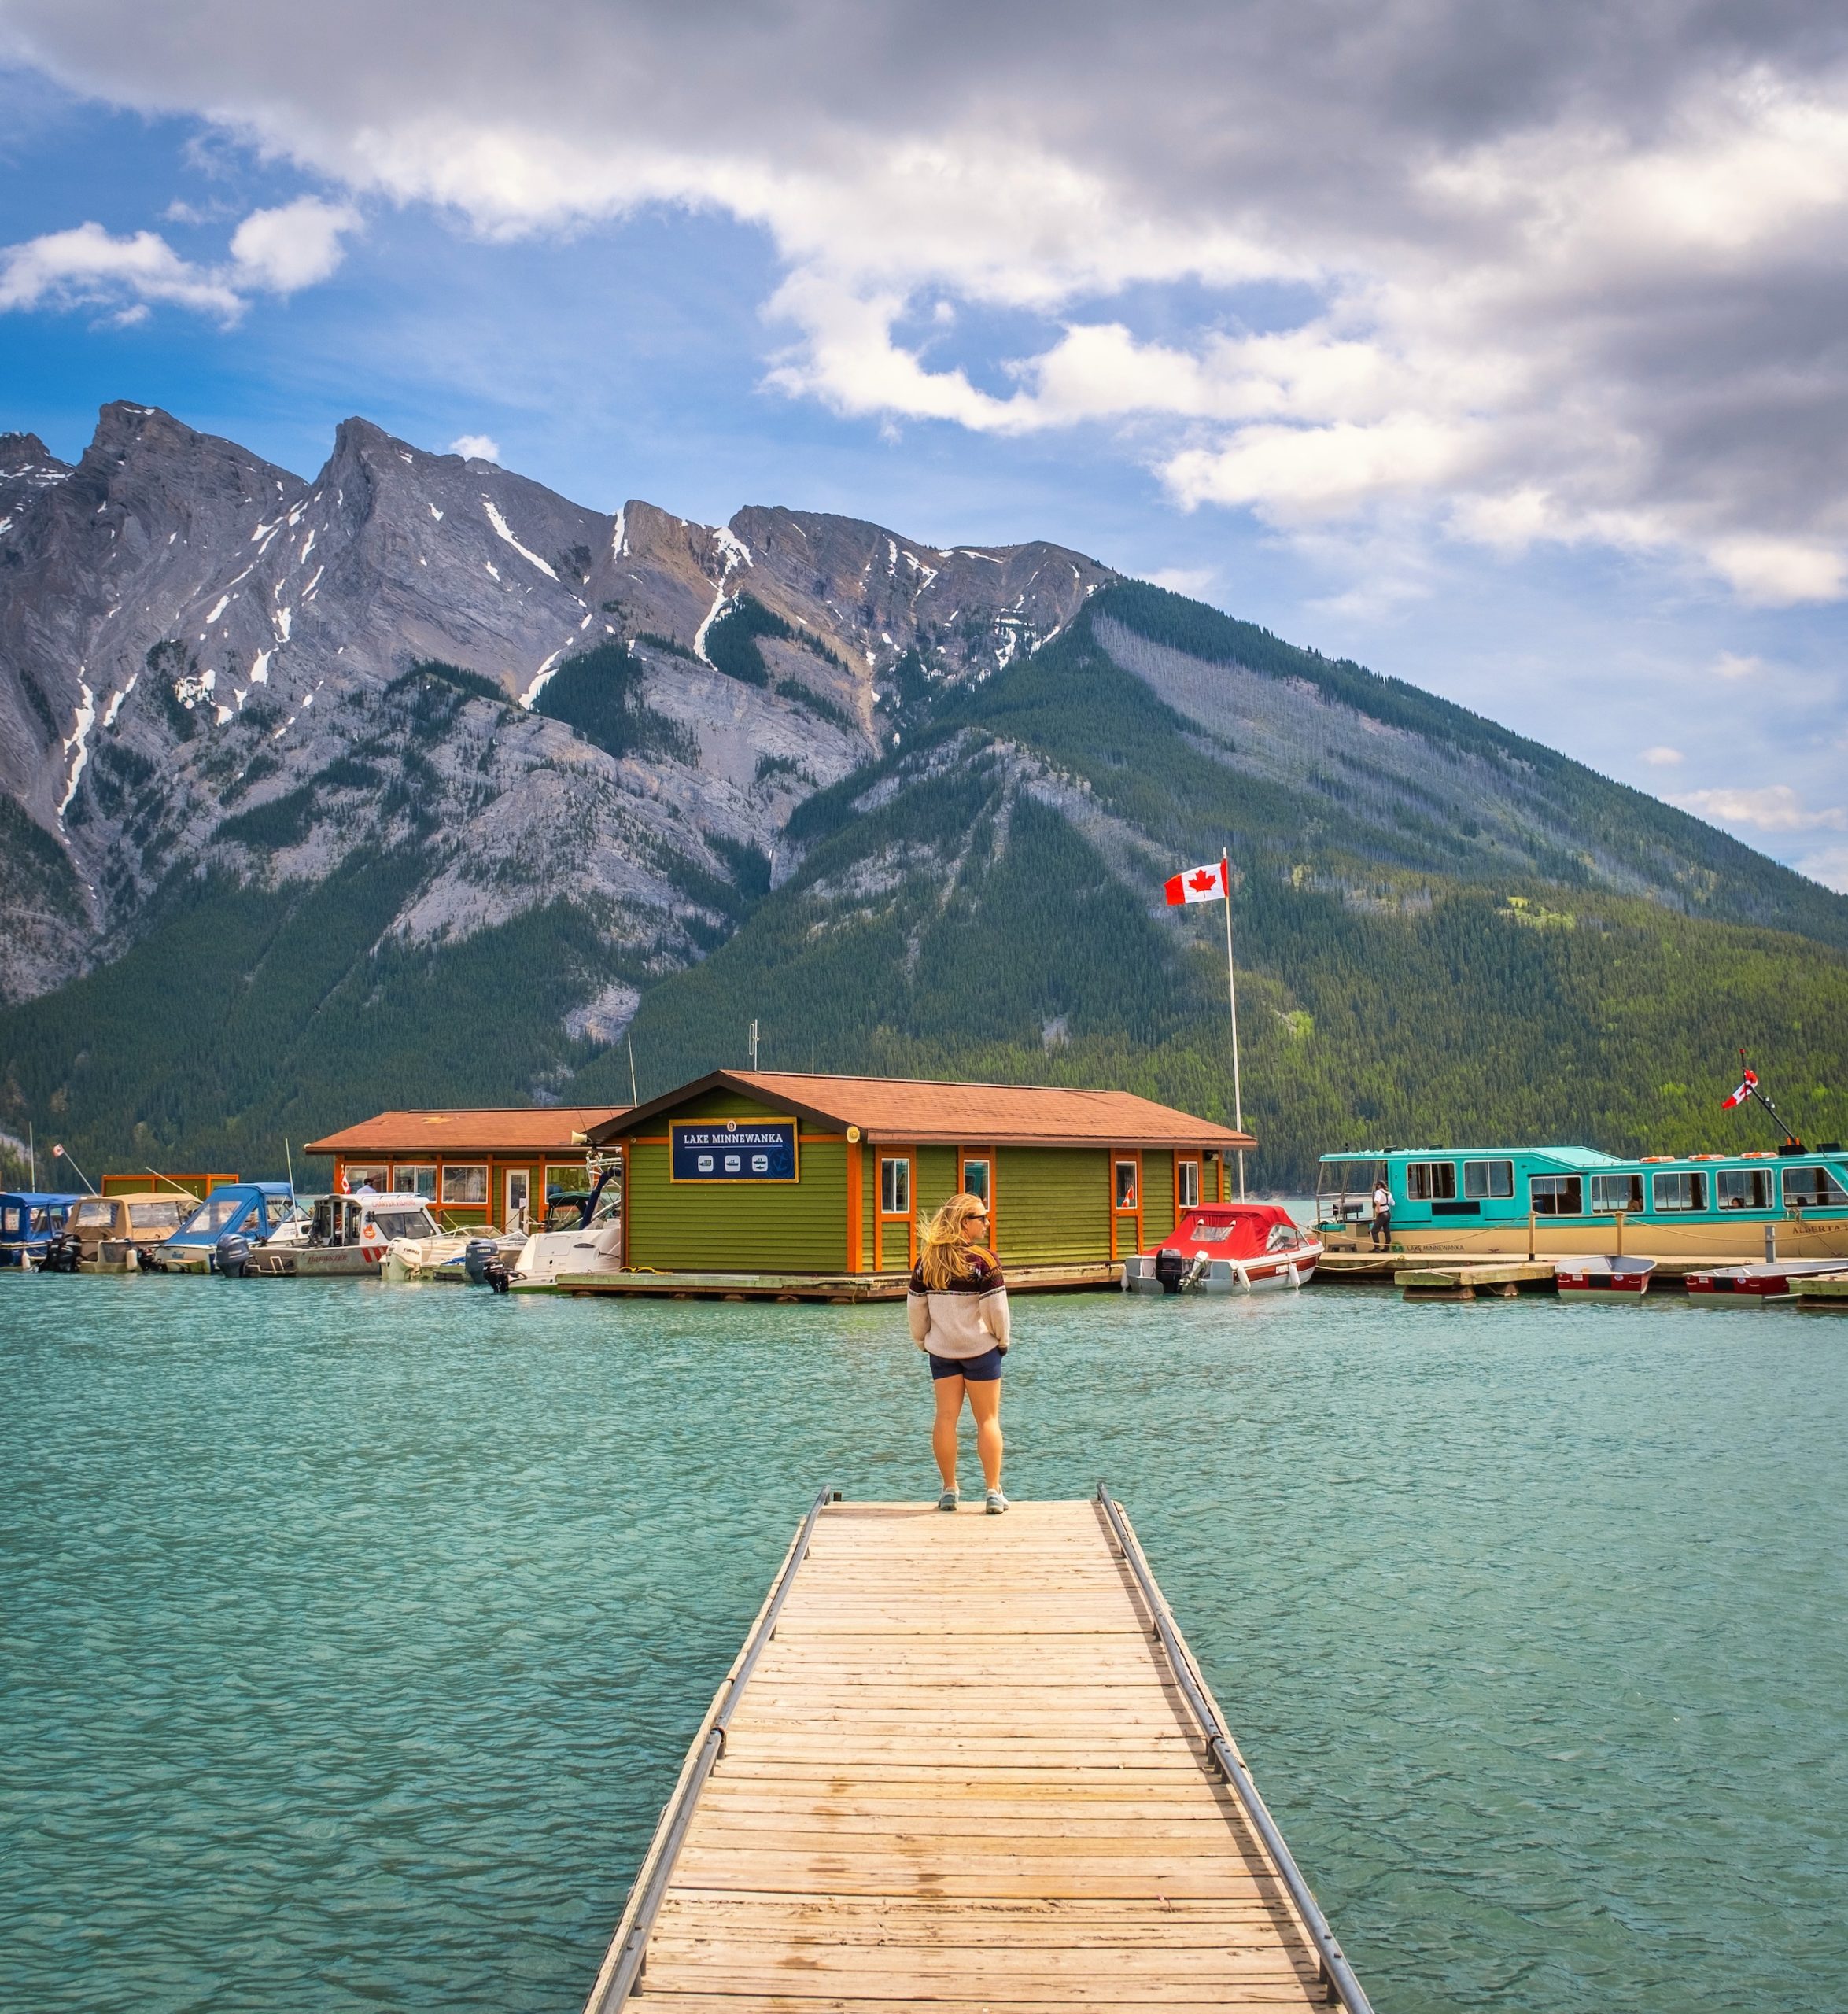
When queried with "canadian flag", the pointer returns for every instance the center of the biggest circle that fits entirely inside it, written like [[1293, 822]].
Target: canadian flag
[[1747, 1084], [1198, 884]]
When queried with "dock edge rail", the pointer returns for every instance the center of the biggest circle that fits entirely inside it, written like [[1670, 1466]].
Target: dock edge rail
[[1340, 1974], [622, 1966]]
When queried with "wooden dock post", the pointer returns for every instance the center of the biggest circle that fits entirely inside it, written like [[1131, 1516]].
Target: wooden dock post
[[969, 1762]]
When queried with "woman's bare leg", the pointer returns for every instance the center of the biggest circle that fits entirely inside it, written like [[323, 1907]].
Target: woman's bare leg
[[949, 1391], [985, 1404]]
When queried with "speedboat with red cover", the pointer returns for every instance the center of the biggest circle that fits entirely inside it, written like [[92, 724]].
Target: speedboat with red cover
[[1602, 1279], [1227, 1248], [1749, 1284]]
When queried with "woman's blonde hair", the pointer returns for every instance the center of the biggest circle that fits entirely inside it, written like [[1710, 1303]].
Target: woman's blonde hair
[[948, 1251]]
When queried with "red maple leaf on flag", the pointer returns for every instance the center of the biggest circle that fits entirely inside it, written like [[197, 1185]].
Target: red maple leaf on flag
[[1204, 879]]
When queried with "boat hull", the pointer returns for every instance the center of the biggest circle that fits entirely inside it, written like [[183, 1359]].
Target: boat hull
[[1750, 1286], [1278, 1275], [315, 1262], [1706, 1238]]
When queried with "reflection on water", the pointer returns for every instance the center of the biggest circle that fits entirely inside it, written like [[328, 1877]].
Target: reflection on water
[[352, 1636]]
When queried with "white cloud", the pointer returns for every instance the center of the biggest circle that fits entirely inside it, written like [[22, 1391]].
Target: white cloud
[[1728, 666], [85, 267], [1663, 757], [1775, 808], [476, 447], [286, 249], [1194, 581], [274, 251], [1828, 864]]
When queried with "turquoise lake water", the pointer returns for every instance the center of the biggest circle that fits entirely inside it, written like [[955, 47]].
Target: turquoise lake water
[[351, 1637]]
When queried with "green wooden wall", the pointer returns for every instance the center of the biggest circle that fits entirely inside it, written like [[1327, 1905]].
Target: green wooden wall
[[1053, 1204], [741, 1227], [1158, 1197]]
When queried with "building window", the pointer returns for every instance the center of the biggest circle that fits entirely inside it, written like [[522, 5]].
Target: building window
[[1812, 1188], [366, 1175], [1612, 1192], [465, 1184], [1186, 1184], [1482, 1179], [1556, 1195], [1125, 1185], [975, 1182], [1742, 1189], [894, 1188], [572, 1179], [415, 1178], [1683, 1190], [1430, 1182]]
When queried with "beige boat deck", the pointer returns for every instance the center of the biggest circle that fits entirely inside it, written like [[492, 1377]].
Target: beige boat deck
[[962, 1773]]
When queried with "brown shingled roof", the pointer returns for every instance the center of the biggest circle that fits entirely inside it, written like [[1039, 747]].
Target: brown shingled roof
[[916, 1111], [500, 1130]]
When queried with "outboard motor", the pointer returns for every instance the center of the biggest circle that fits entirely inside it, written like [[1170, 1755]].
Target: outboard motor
[[233, 1254], [498, 1277], [1171, 1269], [62, 1254], [477, 1256]]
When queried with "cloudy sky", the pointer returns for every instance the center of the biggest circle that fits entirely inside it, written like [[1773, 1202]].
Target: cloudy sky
[[1503, 347]]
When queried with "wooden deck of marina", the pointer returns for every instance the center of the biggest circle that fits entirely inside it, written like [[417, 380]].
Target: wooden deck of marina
[[843, 1287], [966, 1762]]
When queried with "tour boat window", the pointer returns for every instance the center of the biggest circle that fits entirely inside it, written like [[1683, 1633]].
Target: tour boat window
[[97, 1210], [1186, 1184], [466, 1184], [1680, 1189], [1125, 1185], [1812, 1188], [1556, 1195], [1612, 1192], [1742, 1189], [12, 1220], [975, 1180], [166, 1214], [894, 1188], [1430, 1182], [1488, 1179], [415, 1178]]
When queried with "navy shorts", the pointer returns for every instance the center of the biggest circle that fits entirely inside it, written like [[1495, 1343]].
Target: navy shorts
[[981, 1370]]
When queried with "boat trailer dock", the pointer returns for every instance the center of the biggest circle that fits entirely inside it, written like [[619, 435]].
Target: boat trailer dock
[[965, 1762]]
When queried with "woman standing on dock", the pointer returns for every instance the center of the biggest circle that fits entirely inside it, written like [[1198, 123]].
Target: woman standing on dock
[[958, 1310]]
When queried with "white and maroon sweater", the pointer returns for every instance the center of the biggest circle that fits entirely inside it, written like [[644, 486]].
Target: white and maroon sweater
[[963, 1320]]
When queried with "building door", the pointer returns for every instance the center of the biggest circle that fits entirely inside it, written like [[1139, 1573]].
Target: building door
[[519, 1198], [1126, 1204]]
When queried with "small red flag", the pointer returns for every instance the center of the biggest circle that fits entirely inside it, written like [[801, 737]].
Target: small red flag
[[1747, 1084]]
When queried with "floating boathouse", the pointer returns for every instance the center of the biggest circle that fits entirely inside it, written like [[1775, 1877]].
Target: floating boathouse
[[491, 1166], [769, 1174]]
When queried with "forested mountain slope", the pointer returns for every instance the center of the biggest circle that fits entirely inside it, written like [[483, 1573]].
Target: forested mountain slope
[[417, 783]]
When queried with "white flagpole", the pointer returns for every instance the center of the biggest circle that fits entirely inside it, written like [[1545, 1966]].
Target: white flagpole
[[1232, 996]]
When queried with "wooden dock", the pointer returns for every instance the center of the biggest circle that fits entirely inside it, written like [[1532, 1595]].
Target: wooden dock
[[841, 1287], [966, 1763]]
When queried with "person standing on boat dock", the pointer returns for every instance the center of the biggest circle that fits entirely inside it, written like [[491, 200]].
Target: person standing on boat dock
[[1382, 1216], [958, 1309]]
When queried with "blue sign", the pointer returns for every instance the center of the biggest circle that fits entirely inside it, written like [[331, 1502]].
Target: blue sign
[[733, 1149]]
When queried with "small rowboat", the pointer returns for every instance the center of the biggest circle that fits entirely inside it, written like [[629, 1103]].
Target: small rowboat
[[1752, 1284], [1603, 1279]]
